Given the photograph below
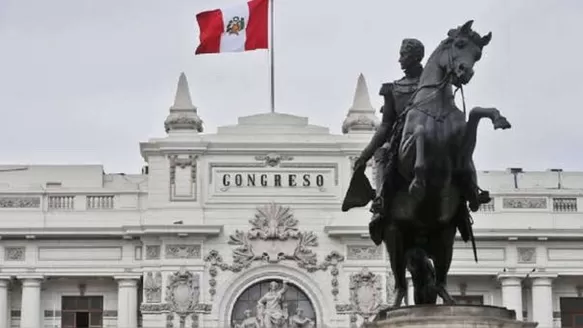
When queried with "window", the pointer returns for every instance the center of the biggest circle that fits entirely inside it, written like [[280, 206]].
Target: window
[[571, 312], [293, 299], [82, 312]]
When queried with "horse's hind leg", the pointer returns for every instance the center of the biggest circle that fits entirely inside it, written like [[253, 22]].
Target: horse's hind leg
[[442, 251], [417, 186], [396, 249]]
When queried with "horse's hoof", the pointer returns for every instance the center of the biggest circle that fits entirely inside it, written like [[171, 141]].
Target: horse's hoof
[[417, 190], [502, 123]]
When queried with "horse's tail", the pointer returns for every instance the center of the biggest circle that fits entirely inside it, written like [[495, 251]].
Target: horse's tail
[[423, 275]]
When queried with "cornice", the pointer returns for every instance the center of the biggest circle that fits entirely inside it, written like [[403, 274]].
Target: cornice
[[124, 231], [348, 231]]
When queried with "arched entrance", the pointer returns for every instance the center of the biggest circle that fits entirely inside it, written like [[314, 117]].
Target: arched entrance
[[269, 300]]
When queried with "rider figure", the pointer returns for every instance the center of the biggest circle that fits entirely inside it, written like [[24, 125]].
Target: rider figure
[[396, 95], [396, 98]]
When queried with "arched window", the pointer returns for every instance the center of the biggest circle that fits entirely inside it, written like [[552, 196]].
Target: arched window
[[293, 299]]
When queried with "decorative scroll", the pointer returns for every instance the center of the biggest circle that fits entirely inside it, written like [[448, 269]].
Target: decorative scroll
[[273, 223]]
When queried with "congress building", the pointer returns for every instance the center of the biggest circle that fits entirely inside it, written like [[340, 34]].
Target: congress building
[[243, 228]]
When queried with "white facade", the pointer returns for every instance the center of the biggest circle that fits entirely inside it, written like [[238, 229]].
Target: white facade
[[179, 244]]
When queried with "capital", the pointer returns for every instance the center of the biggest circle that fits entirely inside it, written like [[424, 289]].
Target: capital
[[128, 282], [542, 279], [508, 279]]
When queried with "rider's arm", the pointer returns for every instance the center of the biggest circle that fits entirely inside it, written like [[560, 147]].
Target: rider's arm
[[382, 133]]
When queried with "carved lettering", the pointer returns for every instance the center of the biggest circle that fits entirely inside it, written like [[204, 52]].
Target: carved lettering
[[272, 180]]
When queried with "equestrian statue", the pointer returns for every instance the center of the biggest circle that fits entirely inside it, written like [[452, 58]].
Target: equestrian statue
[[424, 148]]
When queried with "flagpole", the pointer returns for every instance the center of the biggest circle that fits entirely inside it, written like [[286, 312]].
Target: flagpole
[[271, 59]]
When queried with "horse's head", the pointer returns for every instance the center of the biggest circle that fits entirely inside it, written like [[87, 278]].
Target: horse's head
[[463, 48]]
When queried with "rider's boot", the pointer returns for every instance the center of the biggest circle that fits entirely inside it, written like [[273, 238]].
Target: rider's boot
[[476, 197], [376, 224]]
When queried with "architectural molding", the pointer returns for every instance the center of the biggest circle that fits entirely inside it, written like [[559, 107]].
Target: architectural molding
[[365, 296], [123, 231], [153, 287], [273, 159], [526, 254], [354, 231], [307, 283], [153, 252], [364, 252], [14, 253], [20, 202], [183, 162], [273, 237], [524, 203], [182, 251], [182, 296]]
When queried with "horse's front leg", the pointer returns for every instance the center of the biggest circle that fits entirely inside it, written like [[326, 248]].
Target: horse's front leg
[[417, 186], [469, 185], [471, 130]]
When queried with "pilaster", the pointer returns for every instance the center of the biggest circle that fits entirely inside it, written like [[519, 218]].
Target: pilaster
[[542, 298], [127, 302], [512, 292], [31, 313], [4, 302]]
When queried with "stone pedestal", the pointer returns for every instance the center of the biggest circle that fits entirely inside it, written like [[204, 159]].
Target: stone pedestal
[[449, 316]]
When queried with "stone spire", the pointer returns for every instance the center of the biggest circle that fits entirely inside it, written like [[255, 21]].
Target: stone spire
[[361, 115], [183, 114]]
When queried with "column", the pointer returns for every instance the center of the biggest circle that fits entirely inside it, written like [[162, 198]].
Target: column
[[31, 312], [410, 292], [542, 299], [512, 293], [127, 303], [4, 304]]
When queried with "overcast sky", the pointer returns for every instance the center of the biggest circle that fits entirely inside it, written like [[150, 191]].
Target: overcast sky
[[84, 81]]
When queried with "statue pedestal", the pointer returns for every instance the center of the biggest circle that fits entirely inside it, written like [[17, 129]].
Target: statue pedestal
[[449, 316]]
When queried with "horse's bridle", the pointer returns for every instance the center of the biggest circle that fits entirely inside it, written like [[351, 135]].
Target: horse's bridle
[[438, 87]]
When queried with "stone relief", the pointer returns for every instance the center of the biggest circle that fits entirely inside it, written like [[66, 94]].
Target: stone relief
[[524, 202], [14, 253], [183, 163], [356, 252], [526, 254], [390, 287], [365, 296], [299, 320], [153, 287], [165, 307], [183, 251], [19, 202], [273, 223], [182, 297], [152, 252], [273, 159], [272, 312]]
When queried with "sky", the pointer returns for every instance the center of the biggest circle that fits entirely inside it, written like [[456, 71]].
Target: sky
[[84, 81]]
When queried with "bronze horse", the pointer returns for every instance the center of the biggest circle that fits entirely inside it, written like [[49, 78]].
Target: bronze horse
[[435, 167]]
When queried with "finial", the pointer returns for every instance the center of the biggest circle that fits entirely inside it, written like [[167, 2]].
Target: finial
[[183, 114], [182, 99], [361, 96], [361, 115]]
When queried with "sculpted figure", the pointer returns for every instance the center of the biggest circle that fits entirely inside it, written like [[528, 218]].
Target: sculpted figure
[[299, 320], [249, 321], [430, 183], [270, 308], [396, 97]]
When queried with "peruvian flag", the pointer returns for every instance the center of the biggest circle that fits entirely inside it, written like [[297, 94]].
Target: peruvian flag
[[232, 29]]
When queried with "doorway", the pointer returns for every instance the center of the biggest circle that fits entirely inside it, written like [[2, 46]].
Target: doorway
[[82, 312]]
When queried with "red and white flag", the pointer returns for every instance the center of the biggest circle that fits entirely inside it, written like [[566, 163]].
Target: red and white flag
[[232, 29]]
